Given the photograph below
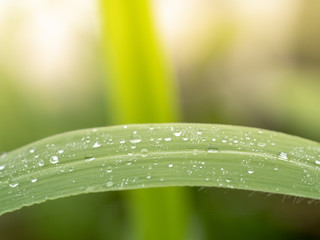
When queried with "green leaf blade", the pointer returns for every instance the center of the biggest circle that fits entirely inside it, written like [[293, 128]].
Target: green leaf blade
[[159, 155]]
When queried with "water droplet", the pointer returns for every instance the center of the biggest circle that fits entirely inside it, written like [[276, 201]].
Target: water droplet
[[61, 151], [177, 133], [250, 171], [109, 169], [261, 144], [96, 145], [213, 139], [317, 162], [109, 184], [13, 185], [33, 180], [135, 139], [89, 158], [41, 163], [168, 139], [283, 156], [170, 165], [54, 159], [2, 167], [199, 132], [31, 150], [144, 152], [149, 176], [212, 148]]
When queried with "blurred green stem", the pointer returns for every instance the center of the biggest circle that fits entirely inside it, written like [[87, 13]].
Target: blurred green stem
[[141, 90]]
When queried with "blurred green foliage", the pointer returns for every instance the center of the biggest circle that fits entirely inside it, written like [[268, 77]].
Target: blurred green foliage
[[282, 97]]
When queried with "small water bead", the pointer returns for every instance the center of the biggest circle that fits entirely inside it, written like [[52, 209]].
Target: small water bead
[[31, 150], [185, 139], [212, 148], [13, 185], [109, 184], [109, 169], [54, 159], [2, 167], [41, 163], [33, 180], [96, 145], [317, 162], [61, 151], [283, 156], [170, 165], [261, 144], [168, 139], [125, 126], [177, 133], [135, 139], [149, 176], [250, 171], [89, 158], [213, 140], [144, 152]]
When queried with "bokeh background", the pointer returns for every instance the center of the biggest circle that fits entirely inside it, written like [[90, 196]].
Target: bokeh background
[[251, 63]]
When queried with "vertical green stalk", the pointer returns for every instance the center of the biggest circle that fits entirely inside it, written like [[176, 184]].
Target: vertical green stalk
[[141, 90]]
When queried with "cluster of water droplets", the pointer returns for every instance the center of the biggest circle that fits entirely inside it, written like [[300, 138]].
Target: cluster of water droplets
[[140, 156]]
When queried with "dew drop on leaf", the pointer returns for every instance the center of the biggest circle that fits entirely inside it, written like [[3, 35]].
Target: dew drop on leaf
[[283, 156], [212, 148], [96, 145], [144, 152], [89, 158], [54, 159], [135, 138], [109, 184], [33, 180]]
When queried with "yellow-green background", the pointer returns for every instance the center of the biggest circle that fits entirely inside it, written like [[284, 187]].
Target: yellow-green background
[[259, 66]]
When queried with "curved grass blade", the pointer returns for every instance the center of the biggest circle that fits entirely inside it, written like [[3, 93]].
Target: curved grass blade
[[158, 155]]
